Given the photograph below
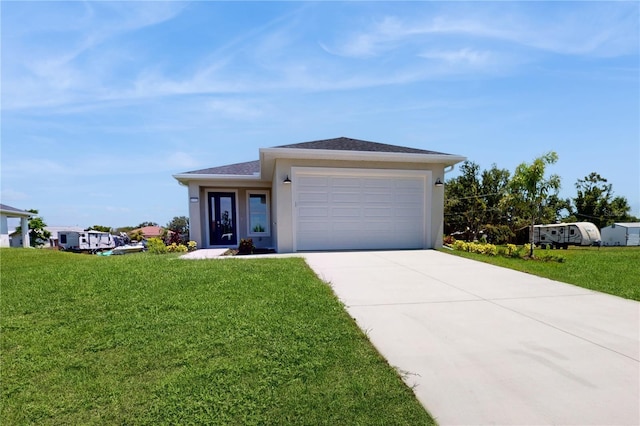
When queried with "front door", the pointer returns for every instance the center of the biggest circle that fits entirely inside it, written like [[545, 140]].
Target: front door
[[222, 219]]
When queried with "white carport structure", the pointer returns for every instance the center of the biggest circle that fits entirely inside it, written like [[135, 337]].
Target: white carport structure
[[11, 212], [621, 234]]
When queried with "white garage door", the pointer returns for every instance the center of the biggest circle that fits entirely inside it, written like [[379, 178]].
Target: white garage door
[[359, 210]]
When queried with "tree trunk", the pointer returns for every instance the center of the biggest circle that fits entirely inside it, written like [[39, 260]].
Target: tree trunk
[[531, 238]]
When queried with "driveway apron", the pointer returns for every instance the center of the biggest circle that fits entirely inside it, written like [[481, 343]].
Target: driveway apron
[[482, 344]]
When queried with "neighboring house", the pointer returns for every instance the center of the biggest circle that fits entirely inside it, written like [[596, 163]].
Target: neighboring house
[[333, 194], [621, 234], [150, 231], [7, 212]]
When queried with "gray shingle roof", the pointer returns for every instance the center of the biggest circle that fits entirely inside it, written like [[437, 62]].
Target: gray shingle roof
[[348, 144], [250, 168], [7, 208], [241, 169]]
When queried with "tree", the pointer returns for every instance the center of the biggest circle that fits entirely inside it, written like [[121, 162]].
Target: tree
[[178, 230], [99, 228], [494, 184], [463, 207], [595, 202], [529, 191], [37, 234], [472, 202], [179, 224], [556, 210], [136, 235], [143, 224], [125, 229]]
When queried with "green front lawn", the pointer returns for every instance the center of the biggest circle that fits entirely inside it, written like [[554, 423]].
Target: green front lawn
[[613, 270], [144, 339]]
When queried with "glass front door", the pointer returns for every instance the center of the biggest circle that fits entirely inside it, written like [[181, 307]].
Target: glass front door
[[222, 219]]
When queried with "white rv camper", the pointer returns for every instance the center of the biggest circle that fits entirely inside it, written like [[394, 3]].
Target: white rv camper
[[621, 234], [91, 241], [563, 235]]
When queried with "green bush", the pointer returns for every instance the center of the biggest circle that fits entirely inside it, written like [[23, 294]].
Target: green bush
[[176, 248], [460, 245], [156, 246], [488, 249], [513, 250]]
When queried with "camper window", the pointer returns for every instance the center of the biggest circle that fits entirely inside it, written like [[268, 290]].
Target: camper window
[[553, 232], [63, 238], [573, 231]]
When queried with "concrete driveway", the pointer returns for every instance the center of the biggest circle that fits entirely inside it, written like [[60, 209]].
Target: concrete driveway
[[488, 345]]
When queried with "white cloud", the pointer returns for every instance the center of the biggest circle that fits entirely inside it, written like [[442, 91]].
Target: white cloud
[[62, 59], [279, 55], [465, 56], [576, 29]]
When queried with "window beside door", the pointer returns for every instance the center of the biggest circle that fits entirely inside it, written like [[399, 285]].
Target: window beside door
[[258, 212]]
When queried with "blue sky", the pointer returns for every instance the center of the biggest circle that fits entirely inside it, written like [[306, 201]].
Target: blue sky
[[103, 101]]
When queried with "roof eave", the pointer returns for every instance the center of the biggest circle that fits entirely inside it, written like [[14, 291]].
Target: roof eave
[[13, 213], [268, 156], [185, 178]]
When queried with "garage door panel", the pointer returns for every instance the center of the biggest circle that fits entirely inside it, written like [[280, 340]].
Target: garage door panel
[[377, 183], [407, 212], [313, 226], [409, 198], [345, 226], [407, 229], [379, 212], [370, 226], [408, 184], [306, 212], [313, 197], [338, 212], [346, 197], [359, 211], [345, 182]]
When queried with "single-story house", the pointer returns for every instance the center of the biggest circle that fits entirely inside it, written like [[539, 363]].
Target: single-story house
[[149, 231], [621, 234], [7, 212], [333, 194]]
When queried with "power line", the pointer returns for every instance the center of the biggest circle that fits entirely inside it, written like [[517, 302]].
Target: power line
[[475, 196]]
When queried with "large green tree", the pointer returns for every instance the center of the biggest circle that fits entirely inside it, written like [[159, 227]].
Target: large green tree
[[472, 202], [38, 235], [529, 191], [595, 202], [179, 224]]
